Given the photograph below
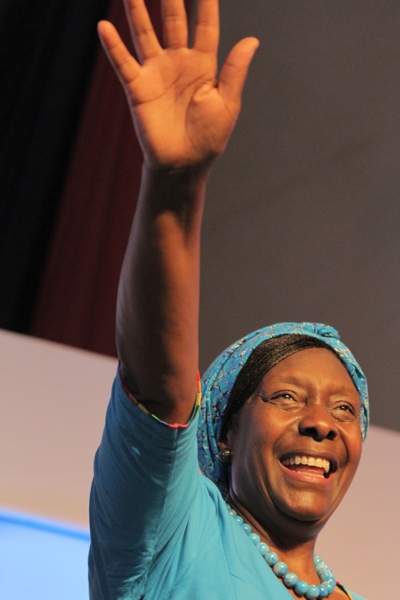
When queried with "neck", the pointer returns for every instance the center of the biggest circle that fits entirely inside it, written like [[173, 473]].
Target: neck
[[293, 541]]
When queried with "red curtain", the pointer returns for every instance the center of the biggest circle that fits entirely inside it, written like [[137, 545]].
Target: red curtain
[[76, 301]]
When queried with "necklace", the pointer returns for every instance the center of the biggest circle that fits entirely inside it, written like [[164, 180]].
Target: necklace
[[281, 570]]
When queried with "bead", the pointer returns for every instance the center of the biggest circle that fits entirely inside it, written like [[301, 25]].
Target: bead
[[280, 568], [271, 558], [246, 528], [330, 584], [254, 538], [312, 592], [324, 573], [263, 548], [301, 587], [323, 591], [290, 580], [238, 519]]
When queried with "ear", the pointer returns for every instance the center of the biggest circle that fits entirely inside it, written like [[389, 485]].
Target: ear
[[228, 440], [225, 444]]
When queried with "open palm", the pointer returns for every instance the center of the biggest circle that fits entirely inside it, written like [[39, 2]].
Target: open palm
[[183, 113]]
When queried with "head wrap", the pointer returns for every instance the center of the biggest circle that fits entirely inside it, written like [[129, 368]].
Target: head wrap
[[219, 378]]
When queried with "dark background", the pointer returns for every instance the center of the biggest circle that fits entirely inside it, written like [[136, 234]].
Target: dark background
[[303, 212]]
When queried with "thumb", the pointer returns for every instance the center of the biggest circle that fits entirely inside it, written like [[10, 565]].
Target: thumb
[[234, 71]]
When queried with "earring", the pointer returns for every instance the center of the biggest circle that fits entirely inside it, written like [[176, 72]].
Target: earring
[[224, 455]]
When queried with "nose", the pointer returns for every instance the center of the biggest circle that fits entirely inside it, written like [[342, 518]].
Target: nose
[[317, 423]]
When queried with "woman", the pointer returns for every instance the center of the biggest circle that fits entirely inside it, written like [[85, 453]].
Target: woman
[[284, 409]]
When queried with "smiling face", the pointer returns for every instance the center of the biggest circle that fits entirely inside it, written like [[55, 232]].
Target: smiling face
[[296, 442]]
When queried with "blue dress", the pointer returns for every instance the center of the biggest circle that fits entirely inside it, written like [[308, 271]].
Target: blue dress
[[159, 529]]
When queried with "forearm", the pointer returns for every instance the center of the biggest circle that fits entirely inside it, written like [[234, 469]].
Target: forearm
[[158, 298]]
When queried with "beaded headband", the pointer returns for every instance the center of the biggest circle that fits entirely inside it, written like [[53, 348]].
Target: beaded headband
[[219, 378]]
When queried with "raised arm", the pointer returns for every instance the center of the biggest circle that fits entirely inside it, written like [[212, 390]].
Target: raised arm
[[183, 114]]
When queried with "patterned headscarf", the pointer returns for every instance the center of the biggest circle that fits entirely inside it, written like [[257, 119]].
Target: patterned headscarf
[[218, 380]]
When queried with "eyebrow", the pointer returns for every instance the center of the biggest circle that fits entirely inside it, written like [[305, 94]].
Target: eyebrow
[[299, 381]]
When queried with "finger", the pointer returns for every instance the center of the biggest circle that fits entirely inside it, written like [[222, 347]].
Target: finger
[[234, 71], [123, 63], [175, 25], [143, 35], [206, 32]]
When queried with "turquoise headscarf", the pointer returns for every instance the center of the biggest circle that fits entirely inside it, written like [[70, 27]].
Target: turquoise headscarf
[[218, 380]]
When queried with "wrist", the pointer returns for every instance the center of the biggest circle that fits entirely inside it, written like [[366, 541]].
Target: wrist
[[184, 173], [179, 192], [174, 187]]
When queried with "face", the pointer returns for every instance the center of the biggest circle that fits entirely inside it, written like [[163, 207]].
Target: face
[[296, 442]]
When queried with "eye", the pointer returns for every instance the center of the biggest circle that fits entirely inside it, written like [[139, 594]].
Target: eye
[[345, 411], [285, 396], [285, 400], [347, 407], [277, 395]]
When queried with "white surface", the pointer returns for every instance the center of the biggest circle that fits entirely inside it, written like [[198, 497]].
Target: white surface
[[52, 410]]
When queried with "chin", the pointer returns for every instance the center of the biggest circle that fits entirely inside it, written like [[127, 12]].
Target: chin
[[307, 513]]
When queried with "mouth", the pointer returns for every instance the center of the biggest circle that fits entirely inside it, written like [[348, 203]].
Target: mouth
[[310, 464]]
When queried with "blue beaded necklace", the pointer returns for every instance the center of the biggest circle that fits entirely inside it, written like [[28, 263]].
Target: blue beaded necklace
[[281, 570]]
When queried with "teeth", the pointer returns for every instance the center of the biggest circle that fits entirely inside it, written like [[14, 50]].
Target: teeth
[[310, 461]]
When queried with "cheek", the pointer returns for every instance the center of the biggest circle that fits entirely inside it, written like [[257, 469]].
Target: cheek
[[354, 450], [355, 444], [253, 452], [357, 451], [247, 440], [258, 430]]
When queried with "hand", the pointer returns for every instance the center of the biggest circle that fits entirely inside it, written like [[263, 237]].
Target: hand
[[183, 114]]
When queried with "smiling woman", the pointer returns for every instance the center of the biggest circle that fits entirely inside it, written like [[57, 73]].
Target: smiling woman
[[284, 410], [303, 453], [283, 416], [236, 374]]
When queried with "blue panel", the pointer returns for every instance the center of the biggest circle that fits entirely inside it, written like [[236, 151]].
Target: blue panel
[[42, 560]]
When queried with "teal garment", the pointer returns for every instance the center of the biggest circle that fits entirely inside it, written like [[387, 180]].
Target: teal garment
[[160, 530]]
